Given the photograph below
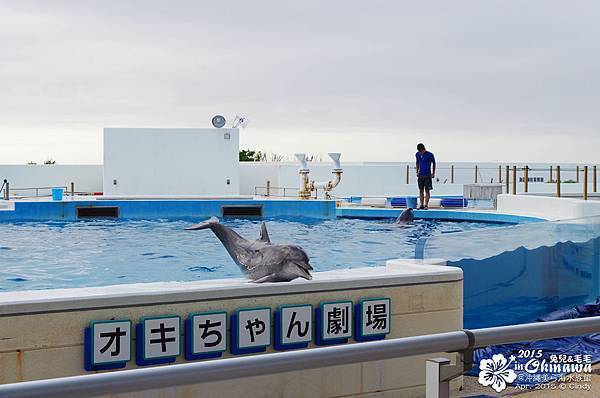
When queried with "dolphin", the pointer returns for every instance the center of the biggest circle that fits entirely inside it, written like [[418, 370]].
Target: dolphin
[[406, 217], [260, 260]]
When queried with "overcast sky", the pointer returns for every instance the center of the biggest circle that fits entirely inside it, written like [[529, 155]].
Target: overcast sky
[[474, 80]]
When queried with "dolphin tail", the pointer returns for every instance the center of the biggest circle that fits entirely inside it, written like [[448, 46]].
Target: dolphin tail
[[204, 224]]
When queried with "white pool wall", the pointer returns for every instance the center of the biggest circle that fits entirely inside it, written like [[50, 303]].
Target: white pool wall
[[550, 208], [43, 330]]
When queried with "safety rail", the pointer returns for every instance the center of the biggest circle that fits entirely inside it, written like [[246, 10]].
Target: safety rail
[[438, 371], [15, 191], [287, 192], [510, 176], [38, 192]]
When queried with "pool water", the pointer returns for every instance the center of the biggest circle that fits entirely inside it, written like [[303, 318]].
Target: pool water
[[44, 255]]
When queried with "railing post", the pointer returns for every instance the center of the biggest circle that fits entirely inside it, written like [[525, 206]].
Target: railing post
[[585, 182], [407, 174], [507, 179], [475, 174], [577, 174], [550, 174], [452, 174], [6, 196], [268, 187], [500, 174], [72, 189], [594, 186], [434, 386], [514, 182], [558, 181], [526, 178]]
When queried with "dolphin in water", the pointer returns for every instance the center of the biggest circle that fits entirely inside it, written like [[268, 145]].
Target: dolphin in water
[[260, 260], [406, 217]]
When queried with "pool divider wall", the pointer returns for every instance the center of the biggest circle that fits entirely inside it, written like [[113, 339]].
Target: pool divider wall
[[43, 331], [152, 209]]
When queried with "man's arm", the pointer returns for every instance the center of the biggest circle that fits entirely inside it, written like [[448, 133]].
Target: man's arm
[[417, 167], [433, 161]]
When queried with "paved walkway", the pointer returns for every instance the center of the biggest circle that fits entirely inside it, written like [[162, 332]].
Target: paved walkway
[[472, 387]]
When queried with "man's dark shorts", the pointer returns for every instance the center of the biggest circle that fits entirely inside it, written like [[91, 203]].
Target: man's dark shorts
[[425, 183]]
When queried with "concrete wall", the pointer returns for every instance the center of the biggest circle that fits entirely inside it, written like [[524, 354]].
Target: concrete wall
[[87, 178], [171, 161], [550, 208], [42, 331], [366, 179]]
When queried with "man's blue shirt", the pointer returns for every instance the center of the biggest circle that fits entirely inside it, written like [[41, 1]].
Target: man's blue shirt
[[425, 162]]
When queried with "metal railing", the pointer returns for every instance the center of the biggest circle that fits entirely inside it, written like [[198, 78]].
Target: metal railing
[[438, 371], [280, 192], [512, 177], [36, 192]]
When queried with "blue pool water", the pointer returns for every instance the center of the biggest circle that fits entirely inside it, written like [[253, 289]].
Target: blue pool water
[[55, 254]]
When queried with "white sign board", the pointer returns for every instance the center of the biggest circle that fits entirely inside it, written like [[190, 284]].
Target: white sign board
[[336, 320], [296, 324], [254, 327], [161, 337], [209, 332], [111, 342]]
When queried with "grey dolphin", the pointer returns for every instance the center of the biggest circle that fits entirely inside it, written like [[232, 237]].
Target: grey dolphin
[[406, 217], [260, 260]]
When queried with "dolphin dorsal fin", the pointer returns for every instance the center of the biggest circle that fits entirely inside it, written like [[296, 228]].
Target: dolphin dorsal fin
[[264, 234]]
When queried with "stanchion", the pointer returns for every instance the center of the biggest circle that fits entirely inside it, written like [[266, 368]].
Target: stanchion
[[558, 181], [585, 182]]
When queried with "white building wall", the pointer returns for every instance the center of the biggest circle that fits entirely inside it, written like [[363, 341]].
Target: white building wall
[[87, 178], [171, 161], [256, 174]]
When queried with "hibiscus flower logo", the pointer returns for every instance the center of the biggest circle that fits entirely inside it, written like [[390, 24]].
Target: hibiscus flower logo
[[494, 372]]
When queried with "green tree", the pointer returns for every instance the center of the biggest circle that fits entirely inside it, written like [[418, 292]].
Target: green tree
[[249, 155]]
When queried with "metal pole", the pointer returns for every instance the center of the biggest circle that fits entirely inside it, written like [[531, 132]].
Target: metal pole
[[526, 178], [500, 174], [594, 186], [407, 173], [577, 174], [507, 179], [273, 363], [558, 181], [452, 174], [585, 183], [475, 174], [268, 188], [435, 385], [72, 189], [514, 182], [7, 191], [550, 174]]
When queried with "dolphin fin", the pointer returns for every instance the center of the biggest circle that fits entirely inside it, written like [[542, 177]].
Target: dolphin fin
[[264, 234], [268, 278], [204, 224]]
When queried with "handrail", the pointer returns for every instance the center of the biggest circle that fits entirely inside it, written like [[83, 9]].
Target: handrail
[[232, 368]]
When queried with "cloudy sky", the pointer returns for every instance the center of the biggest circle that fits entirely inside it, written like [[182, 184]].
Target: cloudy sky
[[474, 80]]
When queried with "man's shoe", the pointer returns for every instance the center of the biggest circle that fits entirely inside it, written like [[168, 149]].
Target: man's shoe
[[422, 207], [425, 208]]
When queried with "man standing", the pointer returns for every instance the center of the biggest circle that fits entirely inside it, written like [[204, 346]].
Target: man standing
[[425, 175]]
